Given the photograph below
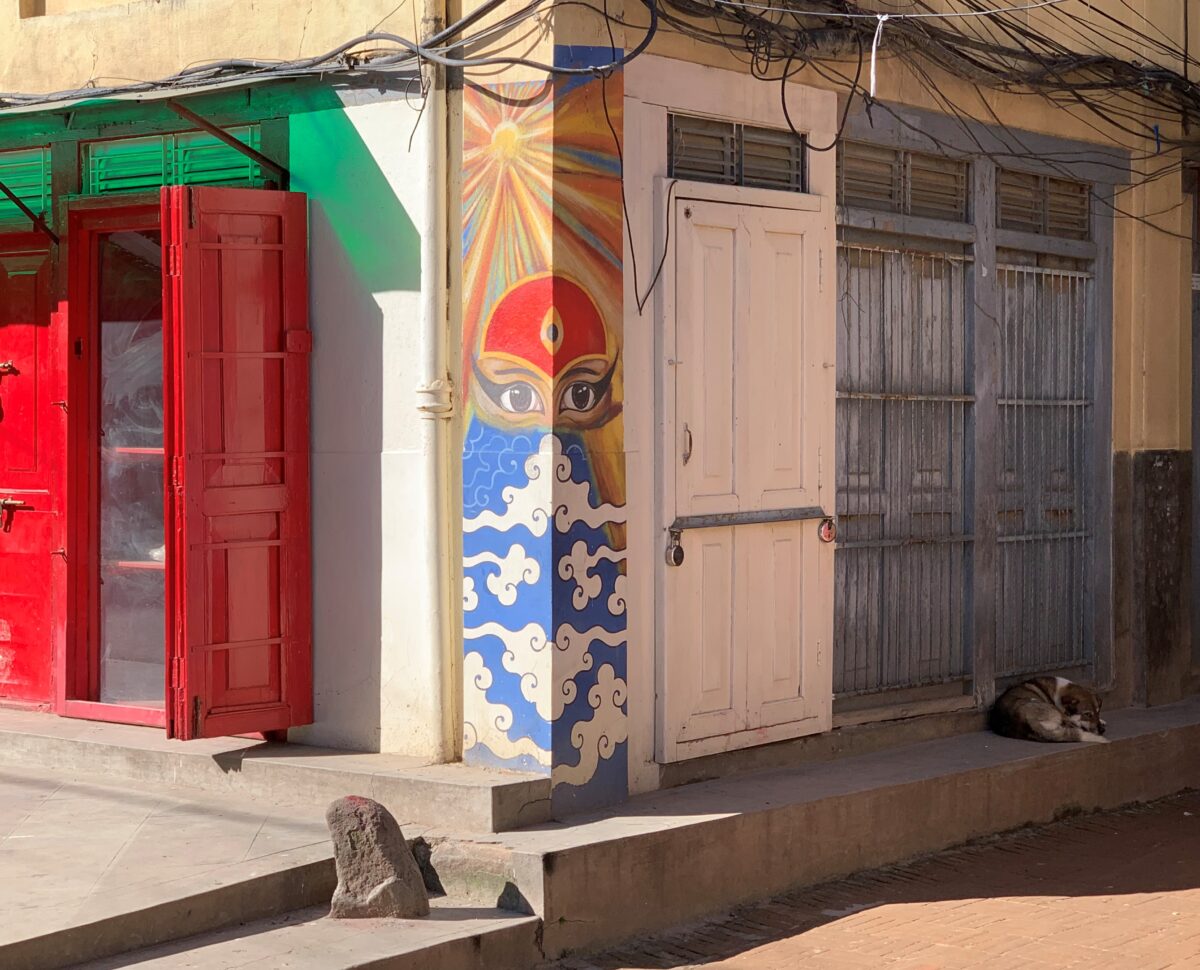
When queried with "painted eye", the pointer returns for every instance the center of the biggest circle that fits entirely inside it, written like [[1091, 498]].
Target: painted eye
[[580, 396], [520, 398]]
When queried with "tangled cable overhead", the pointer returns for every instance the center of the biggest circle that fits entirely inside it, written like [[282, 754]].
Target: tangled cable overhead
[[377, 52], [1083, 65], [1108, 70]]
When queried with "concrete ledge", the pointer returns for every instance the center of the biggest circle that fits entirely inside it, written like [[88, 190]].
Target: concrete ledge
[[678, 855], [452, 938], [444, 796]]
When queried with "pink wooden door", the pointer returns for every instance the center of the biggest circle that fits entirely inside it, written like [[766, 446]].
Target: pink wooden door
[[237, 447], [33, 431]]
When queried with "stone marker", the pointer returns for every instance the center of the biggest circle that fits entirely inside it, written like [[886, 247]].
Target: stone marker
[[377, 874]]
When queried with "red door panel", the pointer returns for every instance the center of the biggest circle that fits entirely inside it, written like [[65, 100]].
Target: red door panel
[[237, 442], [32, 449]]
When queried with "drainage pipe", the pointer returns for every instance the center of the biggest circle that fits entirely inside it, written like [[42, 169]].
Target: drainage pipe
[[436, 403]]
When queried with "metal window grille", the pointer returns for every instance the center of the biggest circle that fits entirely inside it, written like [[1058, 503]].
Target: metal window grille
[[1039, 204], [1044, 575], [27, 175], [188, 158], [904, 182], [707, 150], [904, 418], [907, 561]]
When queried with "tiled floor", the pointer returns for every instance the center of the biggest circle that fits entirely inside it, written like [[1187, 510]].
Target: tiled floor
[[1119, 891], [71, 850]]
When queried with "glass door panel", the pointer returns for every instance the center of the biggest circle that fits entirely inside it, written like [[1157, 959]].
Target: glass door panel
[[130, 464]]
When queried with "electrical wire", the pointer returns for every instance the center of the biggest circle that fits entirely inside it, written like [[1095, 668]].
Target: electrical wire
[[400, 54]]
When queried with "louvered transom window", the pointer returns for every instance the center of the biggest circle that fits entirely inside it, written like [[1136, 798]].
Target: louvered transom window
[[904, 182], [189, 158], [706, 150], [26, 173], [1044, 205]]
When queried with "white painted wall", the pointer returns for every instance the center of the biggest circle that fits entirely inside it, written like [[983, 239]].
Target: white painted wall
[[376, 674]]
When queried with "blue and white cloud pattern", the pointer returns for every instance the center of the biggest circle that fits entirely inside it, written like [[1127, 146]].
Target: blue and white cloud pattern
[[544, 615]]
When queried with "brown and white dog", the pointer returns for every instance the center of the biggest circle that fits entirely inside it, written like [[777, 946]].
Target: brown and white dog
[[1048, 709]]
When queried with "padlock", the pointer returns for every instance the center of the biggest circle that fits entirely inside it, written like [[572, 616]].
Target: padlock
[[675, 550]]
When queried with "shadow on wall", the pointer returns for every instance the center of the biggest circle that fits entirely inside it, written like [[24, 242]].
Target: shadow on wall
[[362, 244]]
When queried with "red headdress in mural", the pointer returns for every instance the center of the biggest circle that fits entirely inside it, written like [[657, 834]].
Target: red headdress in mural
[[546, 357]]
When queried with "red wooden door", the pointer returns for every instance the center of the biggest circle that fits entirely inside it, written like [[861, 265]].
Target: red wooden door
[[237, 432], [33, 431]]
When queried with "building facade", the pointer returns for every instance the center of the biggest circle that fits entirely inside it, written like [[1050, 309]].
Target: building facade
[[667, 415]]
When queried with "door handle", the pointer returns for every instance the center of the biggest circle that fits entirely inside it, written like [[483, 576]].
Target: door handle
[[687, 446], [7, 507], [8, 367]]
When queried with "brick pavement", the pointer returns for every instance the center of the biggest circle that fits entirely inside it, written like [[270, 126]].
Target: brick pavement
[[1118, 891]]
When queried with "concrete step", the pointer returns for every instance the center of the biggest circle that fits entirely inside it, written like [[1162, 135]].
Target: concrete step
[[455, 797], [452, 938], [679, 855], [95, 869], [92, 868]]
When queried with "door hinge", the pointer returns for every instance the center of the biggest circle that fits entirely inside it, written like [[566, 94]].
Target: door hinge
[[177, 473], [174, 259]]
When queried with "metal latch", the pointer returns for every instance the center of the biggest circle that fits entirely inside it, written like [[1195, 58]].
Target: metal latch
[[717, 520]]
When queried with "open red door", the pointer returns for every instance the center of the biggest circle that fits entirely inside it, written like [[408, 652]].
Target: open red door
[[33, 439], [236, 405]]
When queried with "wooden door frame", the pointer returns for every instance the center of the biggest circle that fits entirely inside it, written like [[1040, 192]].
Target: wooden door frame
[[670, 193], [78, 664]]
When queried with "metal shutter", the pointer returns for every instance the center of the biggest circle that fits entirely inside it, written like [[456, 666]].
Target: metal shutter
[[1047, 206], [871, 177], [1019, 202], [706, 150], [703, 150], [1068, 209], [27, 175], [910, 183], [189, 158], [773, 159], [937, 187]]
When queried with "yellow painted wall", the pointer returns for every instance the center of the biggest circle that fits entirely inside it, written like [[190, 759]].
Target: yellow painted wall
[[1152, 292], [109, 41], [117, 42]]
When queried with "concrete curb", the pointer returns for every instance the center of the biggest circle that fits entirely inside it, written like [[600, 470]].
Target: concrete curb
[[685, 854]]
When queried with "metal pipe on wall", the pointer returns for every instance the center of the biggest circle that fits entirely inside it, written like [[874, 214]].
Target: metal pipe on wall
[[437, 405]]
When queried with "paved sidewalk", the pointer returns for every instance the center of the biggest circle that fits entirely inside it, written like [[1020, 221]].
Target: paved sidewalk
[[1119, 891], [78, 849]]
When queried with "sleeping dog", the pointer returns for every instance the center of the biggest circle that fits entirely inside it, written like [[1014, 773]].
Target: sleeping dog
[[1048, 709]]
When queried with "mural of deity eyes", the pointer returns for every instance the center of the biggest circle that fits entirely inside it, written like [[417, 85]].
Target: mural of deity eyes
[[546, 358]]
